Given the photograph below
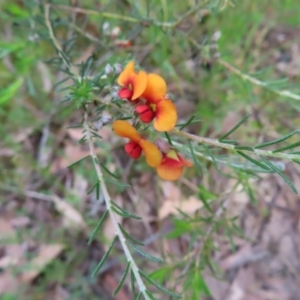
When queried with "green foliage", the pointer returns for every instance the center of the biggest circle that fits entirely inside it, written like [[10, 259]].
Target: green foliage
[[8, 92], [122, 279], [96, 229], [103, 259], [48, 33]]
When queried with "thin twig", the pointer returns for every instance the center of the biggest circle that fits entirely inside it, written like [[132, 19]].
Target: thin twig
[[219, 144], [283, 93], [57, 45], [31, 194], [107, 199], [232, 69]]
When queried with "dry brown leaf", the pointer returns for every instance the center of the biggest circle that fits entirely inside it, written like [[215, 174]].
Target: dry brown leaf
[[174, 200], [171, 191], [105, 132], [16, 257], [188, 206], [45, 77], [46, 254], [57, 293], [6, 152], [75, 133], [71, 217], [80, 186], [217, 287], [6, 229], [73, 153], [8, 261], [20, 222], [8, 283]]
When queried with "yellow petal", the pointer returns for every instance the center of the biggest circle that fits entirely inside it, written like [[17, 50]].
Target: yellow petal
[[156, 88], [152, 154], [166, 115], [168, 172], [139, 83], [126, 130], [127, 74]]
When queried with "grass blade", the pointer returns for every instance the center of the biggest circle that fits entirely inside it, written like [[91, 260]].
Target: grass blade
[[168, 138], [132, 282], [122, 280], [283, 138], [129, 237], [283, 176], [92, 188], [125, 212], [97, 227], [78, 161], [287, 147], [102, 261], [211, 155], [187, 123], [107, 171], [150, 295], [234, 128], [182, 125], [254, 161], [196, 163], [158, 286], [245, 148], [145, 254]]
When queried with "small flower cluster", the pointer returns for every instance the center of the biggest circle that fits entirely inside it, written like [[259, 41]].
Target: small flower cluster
[[148, 93]]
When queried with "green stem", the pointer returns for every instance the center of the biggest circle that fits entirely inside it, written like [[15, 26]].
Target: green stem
[[56, 44], [74, 71], [283, 93], [112, 215], [232, 69], [219, 144]]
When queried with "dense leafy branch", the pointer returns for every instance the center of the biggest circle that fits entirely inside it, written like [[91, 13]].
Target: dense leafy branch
[[100, 178], [196, 146], [217, 143], [112, 215]]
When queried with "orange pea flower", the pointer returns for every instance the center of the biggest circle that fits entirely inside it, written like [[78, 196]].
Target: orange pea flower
[[133, 84], [137, 144], [172, 165], [157, 106]]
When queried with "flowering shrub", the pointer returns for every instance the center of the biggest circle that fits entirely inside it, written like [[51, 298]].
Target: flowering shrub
[[143, 97], [147, 92]]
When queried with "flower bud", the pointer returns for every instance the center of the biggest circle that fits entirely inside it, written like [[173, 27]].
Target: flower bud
[[105, 119], [216, 36], [108, 69], [118, 68], [162, 145], [98, 124]]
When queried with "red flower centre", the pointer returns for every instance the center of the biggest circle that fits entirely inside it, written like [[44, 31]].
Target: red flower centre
[[133, 149], [146, 113], [125, 93]]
